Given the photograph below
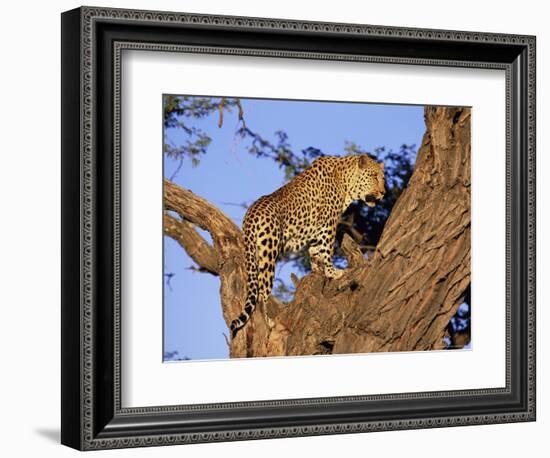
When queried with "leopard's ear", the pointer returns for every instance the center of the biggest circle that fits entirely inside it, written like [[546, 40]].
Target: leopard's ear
[[364, 161], [381, 164]]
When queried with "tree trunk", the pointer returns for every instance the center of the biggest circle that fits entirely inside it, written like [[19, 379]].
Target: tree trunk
[[400, 299]]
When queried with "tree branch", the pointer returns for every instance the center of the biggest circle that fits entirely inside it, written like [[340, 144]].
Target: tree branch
[[191, 241], [352, 252], [228, 244]]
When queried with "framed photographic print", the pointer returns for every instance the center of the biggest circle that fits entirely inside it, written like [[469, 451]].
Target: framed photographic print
[[277, 228]]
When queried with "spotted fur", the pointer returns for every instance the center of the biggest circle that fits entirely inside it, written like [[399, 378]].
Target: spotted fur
[[303, 212]]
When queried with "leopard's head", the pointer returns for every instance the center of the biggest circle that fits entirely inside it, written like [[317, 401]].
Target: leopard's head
[[369, 183]]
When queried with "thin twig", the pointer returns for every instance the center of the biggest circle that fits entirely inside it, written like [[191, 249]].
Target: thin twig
[[226, 340], [178, 168], [242, 205], [241, 112], [169, 277], [220, 108]]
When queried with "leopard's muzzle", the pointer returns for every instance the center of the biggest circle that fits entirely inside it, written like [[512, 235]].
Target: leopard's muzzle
[[372, 199]]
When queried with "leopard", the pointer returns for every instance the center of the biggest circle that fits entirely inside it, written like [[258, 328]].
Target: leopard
[[304, 213]]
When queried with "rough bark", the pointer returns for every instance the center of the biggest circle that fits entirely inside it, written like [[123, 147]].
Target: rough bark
[[401, 298]]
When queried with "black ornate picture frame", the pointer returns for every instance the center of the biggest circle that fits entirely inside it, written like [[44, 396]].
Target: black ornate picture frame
[[92, 42]]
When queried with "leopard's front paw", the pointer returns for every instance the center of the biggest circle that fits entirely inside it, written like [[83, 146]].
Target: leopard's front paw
[[334, 273]]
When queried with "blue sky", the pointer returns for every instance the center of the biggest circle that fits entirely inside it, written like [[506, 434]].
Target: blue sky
[[228, 175]]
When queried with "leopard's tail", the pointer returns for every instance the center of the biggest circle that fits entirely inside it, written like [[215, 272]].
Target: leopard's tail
[[251, 286]]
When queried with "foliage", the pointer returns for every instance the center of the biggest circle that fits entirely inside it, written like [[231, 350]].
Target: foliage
[[459, 328], [281, 152], [174, 356], [178, 110]]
